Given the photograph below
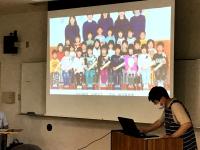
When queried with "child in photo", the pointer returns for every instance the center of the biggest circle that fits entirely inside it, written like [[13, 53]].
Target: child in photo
[[151, 51], [143, 38], [144, 64], [79, 66], [117, 62], [89, 40], [103, 66], [131, 67], [54, 69], [130, 37], [67, 43], [110, 36], [72, 52], [111, 50], [84, 49], [100, 35], [124, 47], [67, 68], [160, 65], [96, 49], [77, 43], [90, 70], [120, 37], [151, 47], [137, 47], [60, 53]]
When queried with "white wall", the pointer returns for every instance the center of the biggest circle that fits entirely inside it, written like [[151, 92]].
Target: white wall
[[67, 134]]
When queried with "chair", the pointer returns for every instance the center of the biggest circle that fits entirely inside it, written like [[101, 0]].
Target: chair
[[26, 147]]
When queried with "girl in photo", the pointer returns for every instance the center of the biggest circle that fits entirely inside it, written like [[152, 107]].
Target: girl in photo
[[120, 37], [144, 64], [121, 24], [105, 22], [100, 35], [89, 40], [79, 67], [90, 70], [72, 29], [103, 66], [67, 68], [96, 49]]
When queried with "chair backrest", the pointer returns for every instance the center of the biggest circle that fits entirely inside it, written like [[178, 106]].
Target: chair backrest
[[26, 147]]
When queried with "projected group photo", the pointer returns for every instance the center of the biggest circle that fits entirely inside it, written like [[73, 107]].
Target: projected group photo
[[98, 54]]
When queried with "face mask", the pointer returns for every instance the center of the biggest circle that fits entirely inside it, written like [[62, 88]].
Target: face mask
[[160, 106]]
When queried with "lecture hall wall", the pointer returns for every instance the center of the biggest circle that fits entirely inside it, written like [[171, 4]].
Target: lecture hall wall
[[71, 134]]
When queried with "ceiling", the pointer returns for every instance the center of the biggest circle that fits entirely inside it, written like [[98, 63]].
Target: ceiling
[[15, 6]]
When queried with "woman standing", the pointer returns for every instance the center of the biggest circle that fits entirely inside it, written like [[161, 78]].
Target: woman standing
[[71, 30]]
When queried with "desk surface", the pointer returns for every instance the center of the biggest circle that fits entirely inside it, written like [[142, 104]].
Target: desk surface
[[10, 131]]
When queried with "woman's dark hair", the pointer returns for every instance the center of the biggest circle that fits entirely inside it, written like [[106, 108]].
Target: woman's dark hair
[[118, 18], [108, 16], [156, 93], [75, 22], [150, 40]]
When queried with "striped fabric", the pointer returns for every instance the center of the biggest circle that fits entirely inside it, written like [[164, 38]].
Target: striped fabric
[[189, 140]]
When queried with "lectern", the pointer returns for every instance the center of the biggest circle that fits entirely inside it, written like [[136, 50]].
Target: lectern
[[120, 141]]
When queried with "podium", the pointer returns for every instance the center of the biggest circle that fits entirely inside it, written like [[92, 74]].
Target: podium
[[120, 141]]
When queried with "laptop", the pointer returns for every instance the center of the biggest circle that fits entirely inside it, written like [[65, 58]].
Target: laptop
[[129, 128]]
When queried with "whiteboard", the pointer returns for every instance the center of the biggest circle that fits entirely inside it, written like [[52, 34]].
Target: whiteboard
[[33, 87], [187, 86]]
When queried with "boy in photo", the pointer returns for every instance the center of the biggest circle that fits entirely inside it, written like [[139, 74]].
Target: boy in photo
[[100, 35], [130, 37], [160, 65]]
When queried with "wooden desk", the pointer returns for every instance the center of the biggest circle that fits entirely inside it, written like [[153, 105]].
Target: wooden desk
[[120, 141]]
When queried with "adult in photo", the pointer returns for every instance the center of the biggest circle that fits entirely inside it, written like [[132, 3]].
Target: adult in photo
[[71, 30], [121, 24], [138, 23], [89, 26], [106, 22]]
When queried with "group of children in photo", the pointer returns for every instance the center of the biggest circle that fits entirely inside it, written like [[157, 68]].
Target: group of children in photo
[[111, 55]]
